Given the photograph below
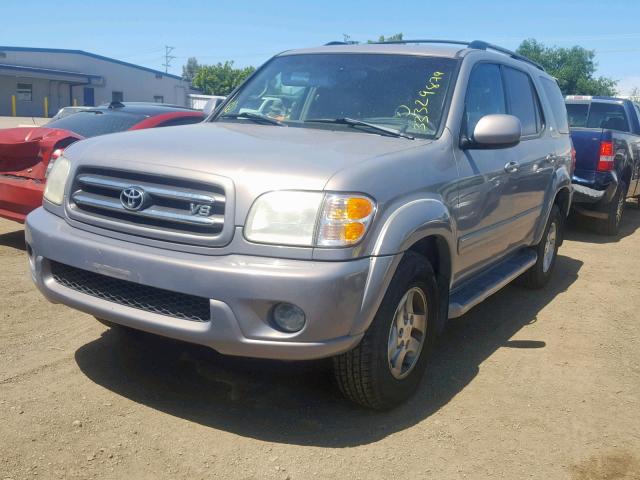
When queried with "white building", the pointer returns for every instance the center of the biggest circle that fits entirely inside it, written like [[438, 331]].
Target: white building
[[32, 78]]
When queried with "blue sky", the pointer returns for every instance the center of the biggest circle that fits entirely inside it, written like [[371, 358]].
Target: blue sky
[[249, 32]]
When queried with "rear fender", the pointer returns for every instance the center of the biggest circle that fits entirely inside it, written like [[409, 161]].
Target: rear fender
[[561, 180]]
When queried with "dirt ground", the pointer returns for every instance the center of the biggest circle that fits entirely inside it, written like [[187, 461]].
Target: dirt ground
[[542, 385]]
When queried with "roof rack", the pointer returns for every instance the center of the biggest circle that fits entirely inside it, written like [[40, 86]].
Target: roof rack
[[475, 44]]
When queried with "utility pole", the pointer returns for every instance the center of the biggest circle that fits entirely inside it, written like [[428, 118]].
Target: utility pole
[[167, 58]]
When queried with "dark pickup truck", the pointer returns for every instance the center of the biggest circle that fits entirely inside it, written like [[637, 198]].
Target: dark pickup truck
[[606, 138]]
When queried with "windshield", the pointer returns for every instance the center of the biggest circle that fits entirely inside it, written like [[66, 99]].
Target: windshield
[[402, 92], [90, 123]]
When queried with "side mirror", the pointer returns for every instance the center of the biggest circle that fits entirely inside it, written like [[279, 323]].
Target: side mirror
[[495, 131]]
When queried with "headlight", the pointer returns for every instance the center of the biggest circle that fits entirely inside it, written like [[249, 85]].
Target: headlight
[[309, 219], [54, 189]]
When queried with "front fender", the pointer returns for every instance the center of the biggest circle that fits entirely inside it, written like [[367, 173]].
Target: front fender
[[411, 222], [406, 225]]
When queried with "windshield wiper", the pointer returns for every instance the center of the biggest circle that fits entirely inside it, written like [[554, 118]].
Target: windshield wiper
[[256, 117], [353, 122]]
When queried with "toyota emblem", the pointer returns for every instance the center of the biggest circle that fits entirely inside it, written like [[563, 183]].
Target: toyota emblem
[[133, 198]]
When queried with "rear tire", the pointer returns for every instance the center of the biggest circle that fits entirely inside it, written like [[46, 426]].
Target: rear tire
[[540, 273], [614, 210], [386, 367]]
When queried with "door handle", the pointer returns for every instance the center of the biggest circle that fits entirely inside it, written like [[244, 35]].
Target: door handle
[[511, 167]]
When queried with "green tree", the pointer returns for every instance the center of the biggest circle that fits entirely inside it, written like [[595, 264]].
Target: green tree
[[392, 38], [190, 69], [634, 94], [221, 78], [573, 67]]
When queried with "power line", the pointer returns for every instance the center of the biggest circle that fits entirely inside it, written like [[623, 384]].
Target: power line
[[168, 57]]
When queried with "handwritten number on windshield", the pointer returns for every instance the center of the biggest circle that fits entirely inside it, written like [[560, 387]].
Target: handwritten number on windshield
[[420, 114]]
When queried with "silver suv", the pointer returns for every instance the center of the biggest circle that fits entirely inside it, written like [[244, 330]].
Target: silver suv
[[343, 202]]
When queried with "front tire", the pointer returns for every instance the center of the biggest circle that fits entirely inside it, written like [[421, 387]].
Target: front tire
[[386, 367], [540, 273]]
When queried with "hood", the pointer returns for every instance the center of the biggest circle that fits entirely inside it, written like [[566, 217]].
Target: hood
[[256, 158], [25, 151]]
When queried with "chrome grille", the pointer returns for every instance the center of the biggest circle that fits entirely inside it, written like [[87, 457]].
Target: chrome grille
[[167, 204]]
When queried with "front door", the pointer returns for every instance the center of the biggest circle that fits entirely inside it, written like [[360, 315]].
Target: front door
[[484, 212]]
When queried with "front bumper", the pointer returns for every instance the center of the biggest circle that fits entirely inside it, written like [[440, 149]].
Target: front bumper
[[18, 197], [337, 297]]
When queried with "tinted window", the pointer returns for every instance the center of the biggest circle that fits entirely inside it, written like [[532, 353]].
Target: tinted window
[[578, 114], [174, 122], [607, 115], [558, 108], [398, 91], [598, 115], [485, 95], [523, 102], [91, 123]]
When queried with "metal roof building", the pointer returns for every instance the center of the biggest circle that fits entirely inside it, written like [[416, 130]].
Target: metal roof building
[[35, 79]]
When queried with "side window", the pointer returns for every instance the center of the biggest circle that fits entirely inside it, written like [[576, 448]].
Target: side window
[[174, 122], [485, 95], [558, 108], [523, 101]]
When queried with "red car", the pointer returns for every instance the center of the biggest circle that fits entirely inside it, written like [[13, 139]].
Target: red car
[[26, 152]]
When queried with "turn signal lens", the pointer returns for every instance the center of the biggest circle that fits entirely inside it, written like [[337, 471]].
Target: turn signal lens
[[344, 220], [353, 231], [358, 208]]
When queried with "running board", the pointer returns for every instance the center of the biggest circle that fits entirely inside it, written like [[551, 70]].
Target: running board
[[471, 293]]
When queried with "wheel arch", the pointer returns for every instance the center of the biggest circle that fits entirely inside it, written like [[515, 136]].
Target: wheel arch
[[422, 226]]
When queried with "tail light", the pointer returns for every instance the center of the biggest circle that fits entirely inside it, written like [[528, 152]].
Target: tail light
[[573, 160], [605, 162], [54, 156]]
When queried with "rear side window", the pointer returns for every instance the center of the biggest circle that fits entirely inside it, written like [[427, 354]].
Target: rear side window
[[523, 101], [611, 116], [485, 95], [554, 95]]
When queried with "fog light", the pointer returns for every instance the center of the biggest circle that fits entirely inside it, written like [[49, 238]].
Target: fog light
[[288, 317]]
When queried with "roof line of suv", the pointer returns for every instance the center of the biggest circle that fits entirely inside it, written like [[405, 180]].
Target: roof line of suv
[[474, 45]]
